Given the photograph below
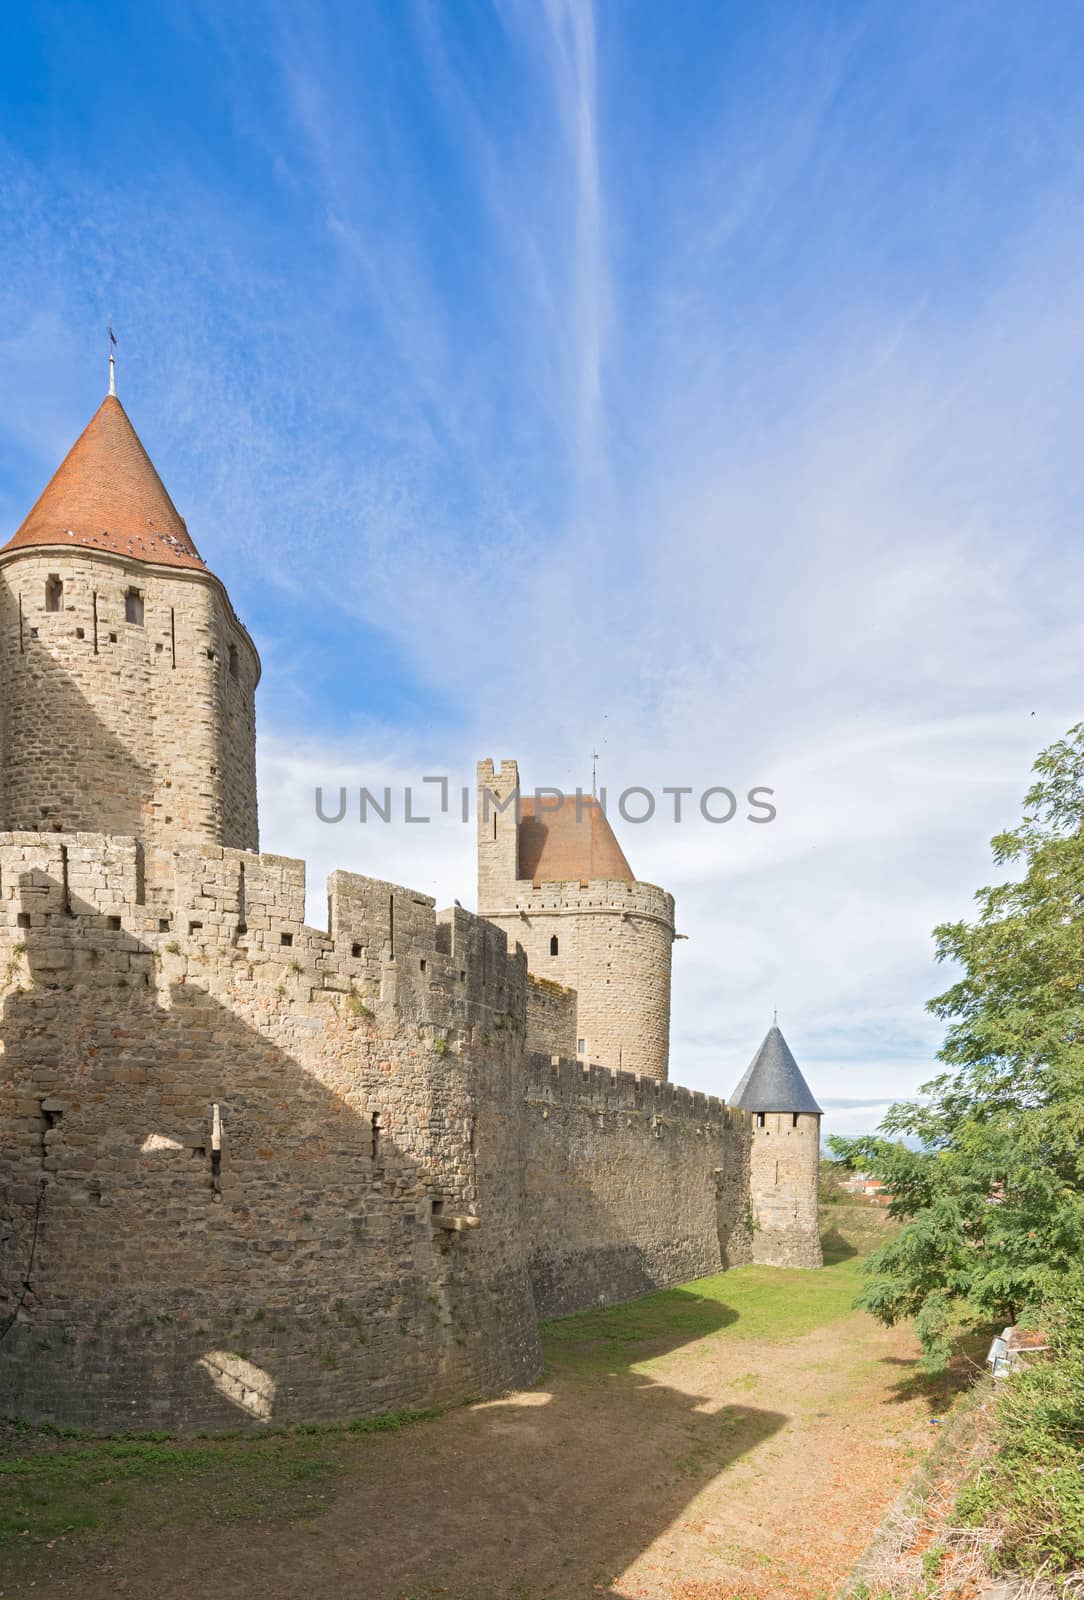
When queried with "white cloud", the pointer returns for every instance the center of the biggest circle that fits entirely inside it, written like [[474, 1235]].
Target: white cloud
[[819, 537]]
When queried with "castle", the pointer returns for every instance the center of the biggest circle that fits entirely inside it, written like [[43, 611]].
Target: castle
[[254, 1170]]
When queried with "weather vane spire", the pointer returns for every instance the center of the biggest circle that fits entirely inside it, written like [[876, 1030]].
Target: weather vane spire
[[775, 1019], [594, 774], [112, 361]]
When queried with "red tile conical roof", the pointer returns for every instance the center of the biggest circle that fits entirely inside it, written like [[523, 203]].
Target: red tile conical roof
[[566, 842], [106, 495]]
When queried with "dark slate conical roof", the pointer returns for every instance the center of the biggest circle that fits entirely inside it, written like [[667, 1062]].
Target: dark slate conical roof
[[774, 1080]]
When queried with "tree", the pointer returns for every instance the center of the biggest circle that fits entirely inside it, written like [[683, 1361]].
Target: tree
[[992, 1198]]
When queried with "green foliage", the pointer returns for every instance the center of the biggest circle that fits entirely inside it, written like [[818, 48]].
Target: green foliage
[[993, 1198], [1031, 1489], [830, 1190]]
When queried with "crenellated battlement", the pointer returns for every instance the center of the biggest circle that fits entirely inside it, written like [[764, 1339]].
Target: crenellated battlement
[[80, 897], [257, 1170], [603, 895], [568, 1082]]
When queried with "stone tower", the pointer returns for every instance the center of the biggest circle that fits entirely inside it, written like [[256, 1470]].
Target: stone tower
[[785, 1158], [554, 877], [126, 680]]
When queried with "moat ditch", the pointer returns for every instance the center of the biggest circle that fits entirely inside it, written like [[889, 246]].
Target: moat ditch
[[735, 1439]]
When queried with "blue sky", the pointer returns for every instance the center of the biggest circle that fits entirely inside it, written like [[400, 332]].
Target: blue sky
[[698, 383]]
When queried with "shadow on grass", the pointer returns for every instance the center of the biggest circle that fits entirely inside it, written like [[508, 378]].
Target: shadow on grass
[[614, 1338], [940, 1390], [586, 1477], [835, 1247]]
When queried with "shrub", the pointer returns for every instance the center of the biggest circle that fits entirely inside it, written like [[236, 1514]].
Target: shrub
[[1032, 1489]]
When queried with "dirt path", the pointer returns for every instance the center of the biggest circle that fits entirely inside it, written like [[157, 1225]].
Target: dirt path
[[691, 1470]]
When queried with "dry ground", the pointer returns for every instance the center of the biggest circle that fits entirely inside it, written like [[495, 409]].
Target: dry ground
[[740, 1437]]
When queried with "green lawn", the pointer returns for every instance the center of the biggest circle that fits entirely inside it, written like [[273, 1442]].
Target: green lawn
[[745, 1303], [52, 1484]]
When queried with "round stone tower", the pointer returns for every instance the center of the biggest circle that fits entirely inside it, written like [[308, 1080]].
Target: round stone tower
[[785, 1158], [553, 876], [126, 680]]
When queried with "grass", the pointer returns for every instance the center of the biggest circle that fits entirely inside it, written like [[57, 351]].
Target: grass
[[744, 1303], [53, 1484]]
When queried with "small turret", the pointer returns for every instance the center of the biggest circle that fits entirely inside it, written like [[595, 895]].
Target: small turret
[[785, 1159]]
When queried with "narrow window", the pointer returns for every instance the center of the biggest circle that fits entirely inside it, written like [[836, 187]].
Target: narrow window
[[133, 607], [553, 945], [94, 613], [794, 1119], [233, 661], [760, 1119], [51, 1118], [54, 593], [173, 636], [580, 1047], [216, 1150], [376, 1126]]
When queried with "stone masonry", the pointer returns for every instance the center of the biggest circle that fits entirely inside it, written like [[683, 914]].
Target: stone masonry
[[784, 1167], [253, 1170], [145, 729]]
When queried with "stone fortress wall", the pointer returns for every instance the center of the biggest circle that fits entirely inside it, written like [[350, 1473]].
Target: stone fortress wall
[[400, 1191], [631, 1184], [253, 1170], [146, 727]]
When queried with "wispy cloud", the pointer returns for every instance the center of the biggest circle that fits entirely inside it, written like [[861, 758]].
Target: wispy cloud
[[555, 382]]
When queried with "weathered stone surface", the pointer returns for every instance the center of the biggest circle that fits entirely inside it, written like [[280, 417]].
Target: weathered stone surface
[[784, 1167], [388, 1078], [255, 1171]]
